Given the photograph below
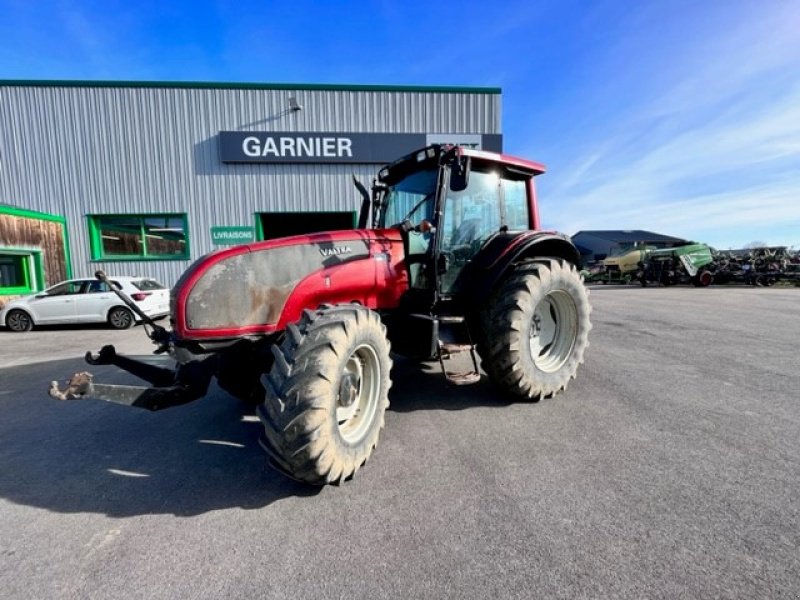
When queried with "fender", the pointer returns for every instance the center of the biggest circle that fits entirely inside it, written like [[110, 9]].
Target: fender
[[499, 254]]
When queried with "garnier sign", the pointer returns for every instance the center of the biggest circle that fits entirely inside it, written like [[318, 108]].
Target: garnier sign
[[230, 236], [328, 147]]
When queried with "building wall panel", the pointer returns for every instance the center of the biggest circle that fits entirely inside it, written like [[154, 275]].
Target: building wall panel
[[80, 150]]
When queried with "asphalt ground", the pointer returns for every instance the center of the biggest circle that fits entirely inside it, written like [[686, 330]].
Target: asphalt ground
[[669, 469]]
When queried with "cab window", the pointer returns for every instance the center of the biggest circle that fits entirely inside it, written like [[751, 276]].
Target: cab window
[[515, 198]]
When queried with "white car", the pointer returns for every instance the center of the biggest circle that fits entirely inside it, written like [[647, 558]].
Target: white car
[[87, 301]]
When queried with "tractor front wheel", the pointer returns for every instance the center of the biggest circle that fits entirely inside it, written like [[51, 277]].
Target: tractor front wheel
[[326, 394], [535, 329]]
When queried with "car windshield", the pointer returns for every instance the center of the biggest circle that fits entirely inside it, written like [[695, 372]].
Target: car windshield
[[410, 198]]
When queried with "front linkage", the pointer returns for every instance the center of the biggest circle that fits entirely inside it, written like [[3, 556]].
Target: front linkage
[[171, 387]]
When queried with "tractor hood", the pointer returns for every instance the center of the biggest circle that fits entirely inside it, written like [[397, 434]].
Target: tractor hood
[[260, 288]]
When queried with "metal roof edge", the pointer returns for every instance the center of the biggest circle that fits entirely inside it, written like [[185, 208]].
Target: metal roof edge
[[232, 85]]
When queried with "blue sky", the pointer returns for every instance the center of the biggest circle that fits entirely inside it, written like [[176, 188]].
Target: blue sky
[[675, 116]]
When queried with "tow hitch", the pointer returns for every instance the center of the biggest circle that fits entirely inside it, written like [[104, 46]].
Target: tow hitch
[[171, 387]]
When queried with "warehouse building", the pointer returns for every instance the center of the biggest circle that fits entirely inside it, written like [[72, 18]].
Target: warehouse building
[[143, 178], [598, 244]]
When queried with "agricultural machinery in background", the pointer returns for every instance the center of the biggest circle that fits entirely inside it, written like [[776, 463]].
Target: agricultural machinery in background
[[620, 267], [690, 263], [698, 265], [756, 266]]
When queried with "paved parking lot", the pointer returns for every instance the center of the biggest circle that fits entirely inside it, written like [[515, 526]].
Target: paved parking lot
[[670, 468]]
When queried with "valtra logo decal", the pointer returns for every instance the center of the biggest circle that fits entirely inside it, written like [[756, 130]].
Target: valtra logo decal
[[336, 250]]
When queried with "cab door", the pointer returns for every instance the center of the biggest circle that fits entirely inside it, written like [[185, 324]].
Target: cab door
[[494, 201]]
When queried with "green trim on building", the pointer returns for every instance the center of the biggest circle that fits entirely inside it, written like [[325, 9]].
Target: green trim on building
[[67, 253], [233, 85], [38, 267], [259, 227], [7, 209], [14, 211], [33, 281]]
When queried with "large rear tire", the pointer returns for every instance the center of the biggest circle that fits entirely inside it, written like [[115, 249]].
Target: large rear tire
[[326, 394], [535, 329]]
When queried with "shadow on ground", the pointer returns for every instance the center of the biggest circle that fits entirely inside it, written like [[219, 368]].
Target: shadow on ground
[[422, 386], [91, 456]]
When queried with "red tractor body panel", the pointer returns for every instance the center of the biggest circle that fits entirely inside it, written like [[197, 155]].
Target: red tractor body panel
[[258, 289]]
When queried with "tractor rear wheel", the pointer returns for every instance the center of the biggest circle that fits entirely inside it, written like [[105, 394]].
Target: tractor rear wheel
[[326, 394], [535, 329]]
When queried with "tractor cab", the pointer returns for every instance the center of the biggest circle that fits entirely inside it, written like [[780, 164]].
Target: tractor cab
[[458, 210], [450, 203]]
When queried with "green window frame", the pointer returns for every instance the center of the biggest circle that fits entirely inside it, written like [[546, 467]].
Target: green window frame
[[20, 272], [142, 236]]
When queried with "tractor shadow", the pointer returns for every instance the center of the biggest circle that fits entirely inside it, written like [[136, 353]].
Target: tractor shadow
[[91, 456], [422, 386]]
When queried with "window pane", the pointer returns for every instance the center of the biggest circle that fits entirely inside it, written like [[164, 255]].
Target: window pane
[[148, 284], [66, 288], [415, 192], [140, 236], [12, 271], [516, 199], [474, 212], [121, 236], [96, 287], [164, 235]]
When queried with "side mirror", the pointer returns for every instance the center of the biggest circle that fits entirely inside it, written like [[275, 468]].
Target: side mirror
[[459, 174]]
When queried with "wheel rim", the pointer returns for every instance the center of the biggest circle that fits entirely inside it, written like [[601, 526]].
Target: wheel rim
[[120, 318], [18, 321], [359, 391], [554, 329]]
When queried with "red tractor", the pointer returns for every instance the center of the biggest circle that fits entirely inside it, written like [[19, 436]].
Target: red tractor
[[448, 258]]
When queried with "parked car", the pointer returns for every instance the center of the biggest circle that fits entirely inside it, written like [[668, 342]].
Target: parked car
[[87, 301]]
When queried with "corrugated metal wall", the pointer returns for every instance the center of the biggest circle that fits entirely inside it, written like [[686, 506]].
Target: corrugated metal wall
[[84, 150]]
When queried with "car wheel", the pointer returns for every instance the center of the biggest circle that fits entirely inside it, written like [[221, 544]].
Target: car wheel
[[120, 318], [19, 320]]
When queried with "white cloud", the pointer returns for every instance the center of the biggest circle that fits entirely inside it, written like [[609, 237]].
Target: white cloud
[[718, 151]]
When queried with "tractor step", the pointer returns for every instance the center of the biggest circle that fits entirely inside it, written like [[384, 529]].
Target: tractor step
[[451, 319], [447, 351], [467, 378]]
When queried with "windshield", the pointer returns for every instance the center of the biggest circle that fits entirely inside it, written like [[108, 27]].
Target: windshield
[[410, 198]]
